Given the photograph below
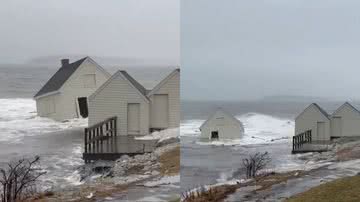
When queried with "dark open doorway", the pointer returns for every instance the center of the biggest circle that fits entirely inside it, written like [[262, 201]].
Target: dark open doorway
[[214, 135], [83, 107]]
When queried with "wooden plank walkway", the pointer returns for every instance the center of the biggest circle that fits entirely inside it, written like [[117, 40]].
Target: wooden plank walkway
[[102, 142]]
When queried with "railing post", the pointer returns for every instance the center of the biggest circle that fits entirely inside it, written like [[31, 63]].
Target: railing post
[[107, 137], [112, 135], [293, 143], [100, 135], [101, 140], [85, 140], [97, 139], [89, 142], [115, 133]]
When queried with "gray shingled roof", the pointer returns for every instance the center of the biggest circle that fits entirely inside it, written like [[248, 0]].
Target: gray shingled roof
[[60, 77], [137, 85], [321, 110]]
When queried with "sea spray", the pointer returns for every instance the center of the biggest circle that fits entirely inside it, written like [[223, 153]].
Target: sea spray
[[18, 118]]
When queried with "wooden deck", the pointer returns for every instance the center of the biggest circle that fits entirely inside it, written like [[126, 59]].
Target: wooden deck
[[311, 147], [303, 143], [102, 142]]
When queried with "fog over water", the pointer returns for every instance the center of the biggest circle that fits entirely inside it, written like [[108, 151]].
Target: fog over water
[[241, 50], [135, 29]]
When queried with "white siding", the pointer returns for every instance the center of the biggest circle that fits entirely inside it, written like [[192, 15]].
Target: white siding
[[75, 88], [172, 89], [133, 118], [227, 127], [160, 111], [350, 121], [308, 120], [48, 106], [336, 124], [112, 100]]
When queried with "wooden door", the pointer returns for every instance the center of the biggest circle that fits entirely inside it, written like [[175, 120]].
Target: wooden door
[[160, 111], [133, 120]]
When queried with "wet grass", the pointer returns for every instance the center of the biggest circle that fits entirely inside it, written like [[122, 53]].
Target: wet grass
[[213, 194], [345, 190], [219, 193], [170, 162], [267, 181]]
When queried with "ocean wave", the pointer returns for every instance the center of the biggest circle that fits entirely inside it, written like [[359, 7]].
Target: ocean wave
[[18, 118], [259, 129]]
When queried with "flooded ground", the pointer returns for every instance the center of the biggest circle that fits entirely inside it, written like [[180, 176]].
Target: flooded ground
[[210, 164], [328, 172]]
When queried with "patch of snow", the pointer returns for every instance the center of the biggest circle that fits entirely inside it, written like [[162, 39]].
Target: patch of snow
[[161, 135], [90, 195], [351, 165], [129, 179], [164, 181]]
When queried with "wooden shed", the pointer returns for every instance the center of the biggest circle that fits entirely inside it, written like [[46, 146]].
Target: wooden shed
[[221, 125], [138, 110], [64, 96], [316, 120], [345, 121]]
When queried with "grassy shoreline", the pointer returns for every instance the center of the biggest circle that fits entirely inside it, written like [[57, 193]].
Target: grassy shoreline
[[220, 193], [346, 189]]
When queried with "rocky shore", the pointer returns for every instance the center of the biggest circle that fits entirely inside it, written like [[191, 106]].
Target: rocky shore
[[111, 180]]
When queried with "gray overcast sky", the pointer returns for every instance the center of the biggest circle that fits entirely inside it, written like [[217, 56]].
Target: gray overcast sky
[[239, 50], [119, 28]]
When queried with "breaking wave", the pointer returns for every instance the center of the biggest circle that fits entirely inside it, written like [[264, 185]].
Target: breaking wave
[[18, 118]]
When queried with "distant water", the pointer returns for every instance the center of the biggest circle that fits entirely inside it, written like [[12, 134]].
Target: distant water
[[23, 81], [285, 109], [23, 133]]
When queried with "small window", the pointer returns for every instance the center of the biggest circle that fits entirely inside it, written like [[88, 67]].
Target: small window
[[89, 80]]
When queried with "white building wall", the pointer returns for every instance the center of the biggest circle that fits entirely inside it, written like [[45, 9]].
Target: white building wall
[[350, 122], [227, 127], [308, 121], [48, 106], [75, 88], [112, 101], [172, 89]]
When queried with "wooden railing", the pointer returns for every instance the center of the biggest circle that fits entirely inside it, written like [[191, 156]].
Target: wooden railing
[[101, 138], [300, 139]]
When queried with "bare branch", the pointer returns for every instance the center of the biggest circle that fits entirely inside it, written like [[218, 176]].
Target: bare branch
[[18, 181], [254, 163]]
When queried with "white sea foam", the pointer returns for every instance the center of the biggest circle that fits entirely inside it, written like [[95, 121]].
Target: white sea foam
[[18, 118], [259, 129], [161, 135], [190, 127]]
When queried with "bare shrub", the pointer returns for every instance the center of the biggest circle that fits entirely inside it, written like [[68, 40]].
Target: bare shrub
[[18, 180], [255, 162]]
